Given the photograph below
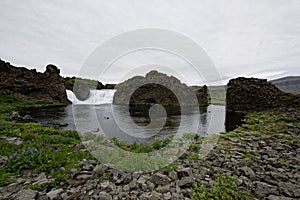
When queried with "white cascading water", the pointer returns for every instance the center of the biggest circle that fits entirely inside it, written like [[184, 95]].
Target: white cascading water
[[97, 97]]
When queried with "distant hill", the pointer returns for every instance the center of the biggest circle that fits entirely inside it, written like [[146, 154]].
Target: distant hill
[[290, 84]]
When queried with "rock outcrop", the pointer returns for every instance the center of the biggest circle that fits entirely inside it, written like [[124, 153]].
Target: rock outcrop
[[252, 94], [202, 95], [32, 85], [158, 88]]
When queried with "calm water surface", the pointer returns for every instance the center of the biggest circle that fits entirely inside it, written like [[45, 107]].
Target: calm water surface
[[135, 125]]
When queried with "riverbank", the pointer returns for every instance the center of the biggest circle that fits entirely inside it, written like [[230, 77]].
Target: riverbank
[[259, 160]]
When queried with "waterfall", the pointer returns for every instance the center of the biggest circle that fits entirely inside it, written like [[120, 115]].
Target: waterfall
[[96, 97]]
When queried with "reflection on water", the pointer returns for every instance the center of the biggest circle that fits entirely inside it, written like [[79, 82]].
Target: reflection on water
[[114, 121]]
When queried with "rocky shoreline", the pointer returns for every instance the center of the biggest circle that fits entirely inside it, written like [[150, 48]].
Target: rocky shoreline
[[263, 156]]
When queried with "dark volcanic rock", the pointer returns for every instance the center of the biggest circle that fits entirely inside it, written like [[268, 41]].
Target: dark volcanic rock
[[32, 85], [252, 94], [157, 88], [202, 95]]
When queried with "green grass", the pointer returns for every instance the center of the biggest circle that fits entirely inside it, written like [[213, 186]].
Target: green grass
[[33, 187], [43, 149], [223, 188]]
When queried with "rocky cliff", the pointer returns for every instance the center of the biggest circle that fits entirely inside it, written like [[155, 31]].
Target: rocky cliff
[[158, 88], [32, 85], [252, 94]]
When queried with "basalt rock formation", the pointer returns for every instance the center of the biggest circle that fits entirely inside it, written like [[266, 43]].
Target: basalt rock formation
[[252, 94], [32, 85], [158, 88]]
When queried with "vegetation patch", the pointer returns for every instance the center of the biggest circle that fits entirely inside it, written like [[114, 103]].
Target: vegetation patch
[[223, 188]]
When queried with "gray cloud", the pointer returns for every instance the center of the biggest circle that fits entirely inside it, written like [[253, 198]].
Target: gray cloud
[[250, 38]]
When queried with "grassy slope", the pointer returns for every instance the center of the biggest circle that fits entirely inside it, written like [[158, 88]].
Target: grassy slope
[[48, 150], [43, 149]]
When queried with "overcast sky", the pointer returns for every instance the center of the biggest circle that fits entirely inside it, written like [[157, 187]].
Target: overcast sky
[[259, 38]]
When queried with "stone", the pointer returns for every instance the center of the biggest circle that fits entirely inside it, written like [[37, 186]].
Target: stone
[[54, 194], [133, 184], [14, 140], [63, 124], [27, 194], [186, 182], [87, 168], [15, 115], [27, 118], [105, 196], [3, 159], [167, 196], [173, 175], [145, 196], [141, 180], [248, 172], [136, 175], [184, 172], [42, 181], [84, 176], [273, 197], [163, 189], [160, 179], [263, 189], [126, 188], [155, 196], [289, 189], [104, 184]]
